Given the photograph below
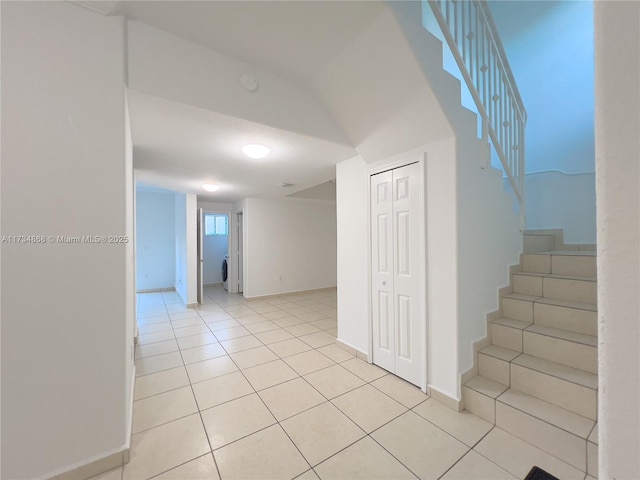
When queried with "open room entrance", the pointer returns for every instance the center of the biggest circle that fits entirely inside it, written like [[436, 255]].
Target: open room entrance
[[213, 250]]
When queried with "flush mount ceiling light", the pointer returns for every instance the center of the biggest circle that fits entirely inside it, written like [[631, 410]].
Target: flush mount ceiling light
[[210, 187], [256, 150]]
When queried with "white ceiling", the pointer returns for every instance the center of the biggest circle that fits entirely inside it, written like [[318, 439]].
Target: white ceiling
[[293, 38], [179, 147]]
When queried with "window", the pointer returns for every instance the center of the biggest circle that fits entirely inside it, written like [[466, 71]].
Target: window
[[216, 225]]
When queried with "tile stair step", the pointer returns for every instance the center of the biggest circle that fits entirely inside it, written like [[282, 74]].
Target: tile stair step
[[579, 317], [501, 353], [590, 340], [494, 363], [518, 306], [582, 291], [561, 346], [486, 386], [569, 374], [479, 397], [551, 275], [574, 263], [547, 412], [533, 242], [561, 385], [592, 307], [566, 318], [570, 253], [553, 429], [569, 288], [507, 333]]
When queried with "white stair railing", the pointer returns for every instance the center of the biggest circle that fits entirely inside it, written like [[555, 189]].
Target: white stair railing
[[468, 27]]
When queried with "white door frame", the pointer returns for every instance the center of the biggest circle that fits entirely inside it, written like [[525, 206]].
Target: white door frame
[[235, 273], [422, 251], [240, 253], [200, 256]]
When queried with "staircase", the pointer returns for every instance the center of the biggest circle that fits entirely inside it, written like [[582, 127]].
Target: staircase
[[539, 377]]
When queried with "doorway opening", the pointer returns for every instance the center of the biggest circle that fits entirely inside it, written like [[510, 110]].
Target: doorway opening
[[213, 249]]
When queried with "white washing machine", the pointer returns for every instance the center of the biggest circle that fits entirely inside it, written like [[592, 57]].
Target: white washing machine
[[225, 272]]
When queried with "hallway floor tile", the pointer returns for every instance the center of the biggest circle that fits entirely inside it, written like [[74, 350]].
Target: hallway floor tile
[[239, 389]]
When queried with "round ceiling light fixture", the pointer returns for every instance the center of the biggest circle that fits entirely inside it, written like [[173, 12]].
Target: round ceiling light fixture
[[256, 150], [210, 187]]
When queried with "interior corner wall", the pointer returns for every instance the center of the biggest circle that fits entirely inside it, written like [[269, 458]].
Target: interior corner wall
[[617, 46], [290, 246], [156, 240], [352, 196], [65, 357], [560, 200]]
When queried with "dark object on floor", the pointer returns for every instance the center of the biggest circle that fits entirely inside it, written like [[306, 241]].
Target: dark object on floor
[[539, 474]]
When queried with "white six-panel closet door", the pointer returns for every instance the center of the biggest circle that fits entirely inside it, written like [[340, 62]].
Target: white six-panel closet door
[[395, 295]]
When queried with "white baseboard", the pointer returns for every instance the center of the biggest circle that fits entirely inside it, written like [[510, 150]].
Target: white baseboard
[[447, 400], [293, 292], [93, 467], [352, 350]]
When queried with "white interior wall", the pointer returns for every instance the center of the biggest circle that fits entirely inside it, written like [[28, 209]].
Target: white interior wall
[[352, 196], [290, 245], [560, 107], [442, 262], [617, 46], [352, 184], [560, 200], [156, 240], [489, 242], [64, 172]]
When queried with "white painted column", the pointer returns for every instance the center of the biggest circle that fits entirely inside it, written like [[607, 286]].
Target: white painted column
[[617, 50]]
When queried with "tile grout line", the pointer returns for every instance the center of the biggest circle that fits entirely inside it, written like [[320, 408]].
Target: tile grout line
[[180, 350], [270, 412], [195, 399]]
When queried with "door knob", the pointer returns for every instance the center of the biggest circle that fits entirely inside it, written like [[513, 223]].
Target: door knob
[[384, 283]]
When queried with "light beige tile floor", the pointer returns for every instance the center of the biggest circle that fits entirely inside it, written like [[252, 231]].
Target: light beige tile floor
[[258, 389]]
